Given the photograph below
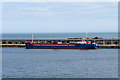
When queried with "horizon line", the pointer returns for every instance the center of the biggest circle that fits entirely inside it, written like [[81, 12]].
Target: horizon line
[[52, 32]]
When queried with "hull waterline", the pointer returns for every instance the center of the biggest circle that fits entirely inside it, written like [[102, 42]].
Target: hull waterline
[[61, 46]]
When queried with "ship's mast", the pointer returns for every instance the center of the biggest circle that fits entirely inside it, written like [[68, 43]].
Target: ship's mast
[[32, 37], [86, 34]]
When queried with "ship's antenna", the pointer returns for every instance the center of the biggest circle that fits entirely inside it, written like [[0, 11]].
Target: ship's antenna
[[86, 34], [32, 37]]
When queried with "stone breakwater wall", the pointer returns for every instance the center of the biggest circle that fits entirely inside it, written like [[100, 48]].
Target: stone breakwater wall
[[103, 43]]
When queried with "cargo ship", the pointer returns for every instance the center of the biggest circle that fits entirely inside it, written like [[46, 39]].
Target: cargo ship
[[60, 45]]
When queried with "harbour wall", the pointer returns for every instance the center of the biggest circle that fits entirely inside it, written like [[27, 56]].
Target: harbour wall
[[102, 43]]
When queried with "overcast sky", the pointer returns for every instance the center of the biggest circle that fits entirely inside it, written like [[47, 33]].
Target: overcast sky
[[42, 17]]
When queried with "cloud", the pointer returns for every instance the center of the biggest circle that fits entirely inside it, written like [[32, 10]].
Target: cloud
[[36, 9]]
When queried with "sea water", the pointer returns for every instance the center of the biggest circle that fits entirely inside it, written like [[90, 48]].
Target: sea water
[[59, 63], [58, 35]]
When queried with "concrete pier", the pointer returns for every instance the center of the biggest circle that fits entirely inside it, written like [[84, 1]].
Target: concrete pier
[[103, 43]]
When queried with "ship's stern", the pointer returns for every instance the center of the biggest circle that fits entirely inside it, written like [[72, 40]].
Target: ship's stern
[[27, 45]]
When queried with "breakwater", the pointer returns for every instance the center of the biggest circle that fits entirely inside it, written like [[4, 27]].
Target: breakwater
[[102, 43]]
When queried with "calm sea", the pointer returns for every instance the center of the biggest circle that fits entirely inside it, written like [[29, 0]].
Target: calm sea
[[59, 63], [58, 35], [62, 63]]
